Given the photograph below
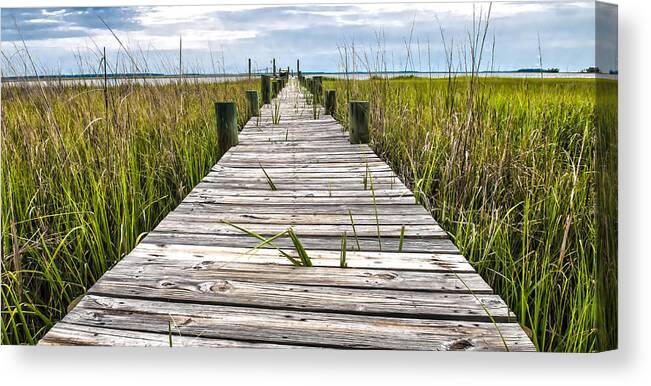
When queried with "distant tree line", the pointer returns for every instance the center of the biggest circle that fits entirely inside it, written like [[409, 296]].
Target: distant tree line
[[538, 70]]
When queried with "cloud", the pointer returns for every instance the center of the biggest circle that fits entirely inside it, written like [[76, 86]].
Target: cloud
[[38, 24], [312, 33]]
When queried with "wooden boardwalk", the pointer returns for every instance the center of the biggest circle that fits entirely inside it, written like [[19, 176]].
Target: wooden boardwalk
[[195, 280]]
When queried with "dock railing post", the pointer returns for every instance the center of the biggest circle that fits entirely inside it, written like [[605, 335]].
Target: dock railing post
[[330, 102], [309, 84], [254, 103], [358, 112], [318, 88], [227, 131], [265, 85]]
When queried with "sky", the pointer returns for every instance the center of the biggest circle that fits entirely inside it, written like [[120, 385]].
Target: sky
[[221, 38]]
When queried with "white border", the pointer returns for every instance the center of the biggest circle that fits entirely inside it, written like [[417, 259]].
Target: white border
[[93, 366]]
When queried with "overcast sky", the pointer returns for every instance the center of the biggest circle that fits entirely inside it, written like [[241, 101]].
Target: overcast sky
[[68, 40]]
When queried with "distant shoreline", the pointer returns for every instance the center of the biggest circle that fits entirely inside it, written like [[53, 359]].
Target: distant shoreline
[[357, 75]]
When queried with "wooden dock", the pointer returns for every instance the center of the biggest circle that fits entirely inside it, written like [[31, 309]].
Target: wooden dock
[[197, 281]]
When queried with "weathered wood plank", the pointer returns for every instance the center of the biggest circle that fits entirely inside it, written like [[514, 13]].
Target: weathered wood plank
[[286, 185], [360, 169], [303, 183], [293, 173], [402, 303], [79, 335], [215, 190], [436, 262], [206, 270], [307, 208], [331, 243], [186, 213], [314, 158], [207, 197], [210, 226], [298, 327]]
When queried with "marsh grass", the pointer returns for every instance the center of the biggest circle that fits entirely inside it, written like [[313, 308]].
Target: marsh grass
[[270, 182], [84, 177], [507, 167], [342, 252], [275, 112], [303, 259], [352, 224]]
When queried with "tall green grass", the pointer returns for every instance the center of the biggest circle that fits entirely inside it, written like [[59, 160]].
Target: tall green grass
[[82, 183], [522, 174]]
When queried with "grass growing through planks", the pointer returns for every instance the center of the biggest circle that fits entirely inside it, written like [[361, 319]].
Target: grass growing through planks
[[84, 177], [352, 224], [275, 112], [169, 333], [342, 256], [517, 171], [302, 253], [270, 182], [303, 260], [402, 238]]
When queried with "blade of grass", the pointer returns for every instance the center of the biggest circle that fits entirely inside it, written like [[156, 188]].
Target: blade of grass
[[342, 256], [305, 259], [265, 241], [352, 223], [269, 180]]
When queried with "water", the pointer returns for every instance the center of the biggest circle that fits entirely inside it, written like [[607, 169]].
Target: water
[[158, 80], [99, 82], [520, 75]]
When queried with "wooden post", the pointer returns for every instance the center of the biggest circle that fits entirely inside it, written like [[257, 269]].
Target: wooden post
[[249, 68], [298, 66], [226, 114], [330, 102], [265, 83], [274, 64], [318, 88], [358, 121], [254, 104]]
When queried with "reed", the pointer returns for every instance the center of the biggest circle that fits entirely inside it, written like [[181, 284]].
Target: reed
[[507, 167], [83, 180]]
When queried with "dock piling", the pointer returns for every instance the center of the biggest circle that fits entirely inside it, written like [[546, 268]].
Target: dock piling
[[254, 104], [227, 131], [265, 84], [318, 88], [330, 102], [358, 120]]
